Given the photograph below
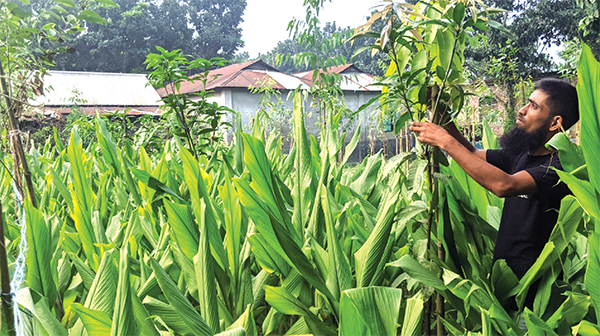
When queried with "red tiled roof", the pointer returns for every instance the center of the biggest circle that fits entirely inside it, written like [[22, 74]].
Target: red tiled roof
[[242, 75], [340, 69]]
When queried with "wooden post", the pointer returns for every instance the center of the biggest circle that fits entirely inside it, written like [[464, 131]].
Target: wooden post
[[7, 303], [15, 137]]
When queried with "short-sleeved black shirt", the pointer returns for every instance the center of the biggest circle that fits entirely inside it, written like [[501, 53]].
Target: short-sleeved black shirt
[[527, 220]]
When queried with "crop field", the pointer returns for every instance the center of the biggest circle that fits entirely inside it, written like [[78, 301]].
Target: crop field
[[200, 237]]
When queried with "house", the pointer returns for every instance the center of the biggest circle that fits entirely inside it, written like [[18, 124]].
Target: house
[[232, 87], [92, 92]]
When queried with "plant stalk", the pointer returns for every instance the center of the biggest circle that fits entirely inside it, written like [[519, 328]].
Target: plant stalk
[[7, 302], [15, 134]]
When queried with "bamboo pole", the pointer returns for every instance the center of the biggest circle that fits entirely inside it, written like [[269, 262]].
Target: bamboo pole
[[15, 137], [7, 302]]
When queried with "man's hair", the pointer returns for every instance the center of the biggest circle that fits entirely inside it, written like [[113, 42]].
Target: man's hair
[[562, 99]]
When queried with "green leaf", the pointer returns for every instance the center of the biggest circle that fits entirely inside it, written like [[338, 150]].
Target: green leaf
[[490, 141], [370, 311], [571, 156], [586, 328], [412, 315], [569, 218], [167, 314], [572, 311], [588, 88], [370, 258], [535, 325], [91, 17], [194, 178], [592, 273], [583, 191], [304, 178], [417, 271], [239, 331], [459, 13], [401, 122], [246, 321], [39, 255], [184, 231], [282, 300], [40, 307], [182, 306], [444, 43], [205, 276], [339, 277], [68, 3], [123, 322], [97, 322], [154, 183]]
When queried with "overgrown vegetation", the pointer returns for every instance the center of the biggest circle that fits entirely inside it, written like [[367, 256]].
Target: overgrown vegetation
[[196, 237]]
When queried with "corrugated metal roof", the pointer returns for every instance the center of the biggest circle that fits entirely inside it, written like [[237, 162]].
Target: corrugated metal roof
[[64, 88]]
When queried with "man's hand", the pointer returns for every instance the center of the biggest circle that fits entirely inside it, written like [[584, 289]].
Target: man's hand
[[432, 134]]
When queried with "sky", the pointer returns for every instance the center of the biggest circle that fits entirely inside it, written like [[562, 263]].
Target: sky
[[265, 21]]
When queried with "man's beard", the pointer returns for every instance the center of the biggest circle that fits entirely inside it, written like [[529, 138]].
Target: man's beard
[[518, 141]]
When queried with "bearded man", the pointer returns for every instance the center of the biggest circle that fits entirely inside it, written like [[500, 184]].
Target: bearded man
[[520, 172]]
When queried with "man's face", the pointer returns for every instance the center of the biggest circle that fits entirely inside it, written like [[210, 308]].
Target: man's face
[[536, 114]]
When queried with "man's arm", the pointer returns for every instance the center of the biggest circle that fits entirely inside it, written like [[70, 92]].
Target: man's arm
[[487, 175], [454, 132]]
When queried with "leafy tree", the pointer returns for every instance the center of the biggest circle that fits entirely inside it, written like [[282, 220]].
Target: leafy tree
[[531, 28], [331, 42], [134, 28]]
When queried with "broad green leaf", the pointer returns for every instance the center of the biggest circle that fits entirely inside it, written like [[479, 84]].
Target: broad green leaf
[[535, 325], [182, 306], [194, 178], [370, 311], [586, 328], [167, 314], [588, 88], [339, 277], [571, 156], [371, 257], [569, 218], [572, 311], [184, 231], [304, 178], [412, 315], [154, 183], [96, 322], [91, 16], [592, 274], [583, 191], [246, 321], [490, 141], [38, 259], [282, 300], [205, 276], [123, 322], [39, 306], [417, 271], [239, 331]]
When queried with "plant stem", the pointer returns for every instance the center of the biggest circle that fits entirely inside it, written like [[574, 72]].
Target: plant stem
[[7, 303], [15, 134]]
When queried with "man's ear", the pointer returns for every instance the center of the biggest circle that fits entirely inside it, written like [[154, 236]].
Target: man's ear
[[556, 123]]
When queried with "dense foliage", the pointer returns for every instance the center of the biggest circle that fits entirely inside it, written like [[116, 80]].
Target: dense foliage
[[267, 243], [332, 43], [247, 239], [133, 28]]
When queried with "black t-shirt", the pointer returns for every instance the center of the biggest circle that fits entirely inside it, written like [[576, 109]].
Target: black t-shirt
[[527, 220]]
